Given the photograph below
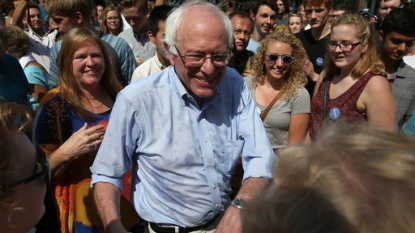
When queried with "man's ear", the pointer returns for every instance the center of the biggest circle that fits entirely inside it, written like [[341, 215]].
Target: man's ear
[[381, 35], [79, 17], [147, 12], [25, 21], [152, 37], [171, 56], [252, 16]]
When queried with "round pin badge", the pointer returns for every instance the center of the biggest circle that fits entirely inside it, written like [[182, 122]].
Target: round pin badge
[[334, 113], [319, 61]]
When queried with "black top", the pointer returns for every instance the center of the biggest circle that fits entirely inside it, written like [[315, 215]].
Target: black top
[[315, 49]]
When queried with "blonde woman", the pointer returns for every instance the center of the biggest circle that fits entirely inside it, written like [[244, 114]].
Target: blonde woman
[[278, 85], [352, 85], [295, 23]]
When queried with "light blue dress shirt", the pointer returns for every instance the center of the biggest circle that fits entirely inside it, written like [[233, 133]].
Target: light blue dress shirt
[[183, 157]]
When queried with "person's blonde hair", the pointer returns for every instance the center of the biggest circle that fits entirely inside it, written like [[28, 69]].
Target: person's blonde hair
[[295, 77], [357, 175], [13, 119], [368, 60], [298, 16], [69, 86]]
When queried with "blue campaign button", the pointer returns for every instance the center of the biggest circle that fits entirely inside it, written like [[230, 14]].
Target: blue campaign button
[[319, 61], [334, 113]]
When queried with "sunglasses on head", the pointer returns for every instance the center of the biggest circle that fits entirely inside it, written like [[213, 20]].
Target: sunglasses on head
[[44, 164], [272, 58]]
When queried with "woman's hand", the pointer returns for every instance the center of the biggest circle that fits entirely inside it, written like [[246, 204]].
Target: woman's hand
[[83, 141]]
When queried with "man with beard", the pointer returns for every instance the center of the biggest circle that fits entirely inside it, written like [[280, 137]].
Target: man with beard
[[264, 15], [397, 36], [242, 59], [156, 33]]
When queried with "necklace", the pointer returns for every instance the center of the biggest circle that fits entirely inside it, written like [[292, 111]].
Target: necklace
[[97, 106], [102, 102]]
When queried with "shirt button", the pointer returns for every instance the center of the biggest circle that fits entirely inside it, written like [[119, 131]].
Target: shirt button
[[210, 164], [214, 186], [205, 140], [217, 205]]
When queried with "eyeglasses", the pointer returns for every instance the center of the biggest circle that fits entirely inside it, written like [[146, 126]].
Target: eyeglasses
[[197, 60], [44, 164], [272, 58], [113, 19], [238, 31], [344, 46]]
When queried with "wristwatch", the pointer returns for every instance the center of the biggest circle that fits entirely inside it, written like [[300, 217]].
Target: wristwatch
[[238, 203]]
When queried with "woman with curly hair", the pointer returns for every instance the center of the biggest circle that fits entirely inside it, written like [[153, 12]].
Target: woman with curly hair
[[278, 88], [352, 85]]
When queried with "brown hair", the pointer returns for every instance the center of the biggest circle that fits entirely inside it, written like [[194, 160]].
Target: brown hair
[[104, 26], [18, 41], [71, 42], [142, 5], [327, 3], [69, 8]]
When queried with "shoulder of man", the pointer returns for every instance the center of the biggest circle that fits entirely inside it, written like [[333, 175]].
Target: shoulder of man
[[403, 71]]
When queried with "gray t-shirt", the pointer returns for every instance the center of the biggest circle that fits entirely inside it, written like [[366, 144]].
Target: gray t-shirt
[[277, 122], [402, 84]]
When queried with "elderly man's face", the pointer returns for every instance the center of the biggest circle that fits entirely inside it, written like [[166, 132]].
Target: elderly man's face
[[201, 33]]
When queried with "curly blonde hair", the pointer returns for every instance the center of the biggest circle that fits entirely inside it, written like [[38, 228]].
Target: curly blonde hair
[[295, 77]]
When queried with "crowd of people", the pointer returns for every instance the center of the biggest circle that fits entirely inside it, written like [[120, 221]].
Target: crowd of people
[[206, 116]]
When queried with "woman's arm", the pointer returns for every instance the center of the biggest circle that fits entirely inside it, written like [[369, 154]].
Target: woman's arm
[[38, 92], [379, 103], [298, 128]]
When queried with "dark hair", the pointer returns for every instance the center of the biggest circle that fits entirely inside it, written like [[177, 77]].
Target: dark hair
[[243, 15], [286, 6], [141, 4], [341, 7], [327, 3], [270, 3], [159, 13], [400, 20]]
